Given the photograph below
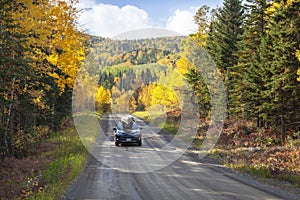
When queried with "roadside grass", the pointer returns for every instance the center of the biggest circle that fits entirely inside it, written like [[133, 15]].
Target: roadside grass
[[266, 164], [169, 127], [197, 142], [142, 114], [265, 173], [88, 127], [259, 171], [157, 119], [149, 116], [69, 159]]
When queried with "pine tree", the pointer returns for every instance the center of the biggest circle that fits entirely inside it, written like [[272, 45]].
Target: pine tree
[[251, 59], [223, 42], [212, 45], [283, 86], [229, 29]]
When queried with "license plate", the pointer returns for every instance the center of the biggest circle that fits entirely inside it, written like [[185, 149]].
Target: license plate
[[128, 139]]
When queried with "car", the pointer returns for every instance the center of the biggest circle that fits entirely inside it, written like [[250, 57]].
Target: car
[[127, 132]]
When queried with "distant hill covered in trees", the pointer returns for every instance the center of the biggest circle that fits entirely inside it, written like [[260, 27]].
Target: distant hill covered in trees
[[134, 52]]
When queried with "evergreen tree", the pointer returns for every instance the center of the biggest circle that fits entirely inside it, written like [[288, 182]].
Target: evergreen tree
[[224, 38], [228, 32], [212, 46], [251, 58], [283, 86], [15, 74]]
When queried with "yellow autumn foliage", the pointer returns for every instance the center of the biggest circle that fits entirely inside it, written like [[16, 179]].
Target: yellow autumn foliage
[[275, 5], [183, 65], [298, 56], [164, 96], [102, 99], [53, 36], [201, 38]]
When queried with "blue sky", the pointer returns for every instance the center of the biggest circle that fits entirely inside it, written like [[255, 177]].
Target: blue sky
[[110, 17], [162, 9]]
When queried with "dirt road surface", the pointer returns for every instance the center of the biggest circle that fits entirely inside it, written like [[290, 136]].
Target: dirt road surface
[[132, 172]]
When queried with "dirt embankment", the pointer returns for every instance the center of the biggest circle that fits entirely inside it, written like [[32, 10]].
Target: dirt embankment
[[21, 177]]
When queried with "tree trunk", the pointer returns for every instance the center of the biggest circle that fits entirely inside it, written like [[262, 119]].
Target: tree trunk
[[282, 127], [53, 116], [282, 116], [9, 115]]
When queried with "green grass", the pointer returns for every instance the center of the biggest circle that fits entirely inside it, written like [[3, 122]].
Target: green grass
[[149, 116], [154, 118], [69, 160], [170, 128], [142, 114], [88, 127], [295, 143], [197, 142], [262, 172]]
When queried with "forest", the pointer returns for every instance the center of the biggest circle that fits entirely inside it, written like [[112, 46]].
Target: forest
[[255, 45], [256, 49], [41, 52]]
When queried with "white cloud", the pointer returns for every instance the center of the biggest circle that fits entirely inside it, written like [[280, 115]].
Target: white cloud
[[182, 21], [109, 20]]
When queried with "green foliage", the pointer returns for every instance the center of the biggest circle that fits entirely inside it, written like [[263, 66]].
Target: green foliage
[[228, 29], [143, 114], [249, 70], [262, 172], [159, 119], [37, 71], [200, 19], [283, 86], [256, 54], [125, 78], [270, 89], [139, 87], [55, 171], [14, 77], [170, 127], [133, 52], [226, 34], [206, 80], [70, 158]]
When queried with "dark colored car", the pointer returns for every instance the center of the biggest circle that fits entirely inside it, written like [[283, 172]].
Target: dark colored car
[[127, 132]]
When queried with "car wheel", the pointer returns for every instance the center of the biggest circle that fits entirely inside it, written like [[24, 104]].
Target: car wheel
[[139, 143], [117, 144]]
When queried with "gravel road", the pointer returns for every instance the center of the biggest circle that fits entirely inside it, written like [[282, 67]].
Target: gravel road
[[151, 172]]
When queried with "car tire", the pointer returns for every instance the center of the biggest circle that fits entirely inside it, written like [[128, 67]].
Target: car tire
[[117, 144], [139, 143]]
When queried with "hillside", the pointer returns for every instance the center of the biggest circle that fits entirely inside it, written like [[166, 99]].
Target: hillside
[[112, 52]]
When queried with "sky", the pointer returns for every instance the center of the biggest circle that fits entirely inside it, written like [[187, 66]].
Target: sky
[[108, 18]]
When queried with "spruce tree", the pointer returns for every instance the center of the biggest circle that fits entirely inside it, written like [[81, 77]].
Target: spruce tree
[[254, 42], [223, 42], [283, 86]]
